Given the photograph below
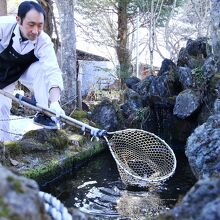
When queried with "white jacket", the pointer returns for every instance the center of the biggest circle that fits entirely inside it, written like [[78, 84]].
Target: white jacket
[[43, 49]]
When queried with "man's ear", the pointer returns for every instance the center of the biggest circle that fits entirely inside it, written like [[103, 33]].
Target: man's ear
[[18, 19]]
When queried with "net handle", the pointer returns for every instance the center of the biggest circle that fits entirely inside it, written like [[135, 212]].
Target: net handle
[[22, 100]]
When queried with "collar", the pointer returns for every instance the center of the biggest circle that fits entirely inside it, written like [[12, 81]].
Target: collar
[[18, 35]]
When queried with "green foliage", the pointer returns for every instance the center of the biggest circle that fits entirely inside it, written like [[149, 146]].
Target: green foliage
[[58, 143], [42, 170], [124, 72], [79, 114], [13, 148], [198, 78], [99, 14], [142, 115]]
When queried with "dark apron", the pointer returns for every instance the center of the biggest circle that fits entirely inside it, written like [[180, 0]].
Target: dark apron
[[13, 64]]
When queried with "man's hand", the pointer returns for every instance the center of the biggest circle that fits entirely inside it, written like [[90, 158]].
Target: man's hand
[[54, 96], [55, 107]]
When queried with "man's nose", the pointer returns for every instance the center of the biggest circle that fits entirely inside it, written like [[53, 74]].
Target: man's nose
[[35, 30]]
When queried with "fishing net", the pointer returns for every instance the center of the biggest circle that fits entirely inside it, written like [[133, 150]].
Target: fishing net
[[142, 157]]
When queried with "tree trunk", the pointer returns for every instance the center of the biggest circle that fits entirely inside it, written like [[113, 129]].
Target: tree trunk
[[50, 25], [3, 8], [68, 50], [152, 37], [48, 8], [122, 40]]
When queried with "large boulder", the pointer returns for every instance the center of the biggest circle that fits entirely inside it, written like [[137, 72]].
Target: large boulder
[[19, 198], [132, 81], [210, 67], [163, 86], [106, 116], [187, 102], [142, 88], [132, 102], [203, 148], [167, 66], [202, 202], [184, 75], [194, 54]]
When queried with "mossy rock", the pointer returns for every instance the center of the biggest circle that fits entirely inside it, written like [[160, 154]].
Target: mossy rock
[[4, 209], [56, 139], [77, 139], [79, 114], [215, 81], [172, 99], [13, 148], [32, 145], [16, 184], [60, 164]]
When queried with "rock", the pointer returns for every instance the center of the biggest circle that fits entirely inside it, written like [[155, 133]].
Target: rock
[[163, 86], [185, 77], [209, 68], [200, 203], [194, 54], [19, 198], [131, 81], [132, 102], [167, 66], [142, 88], [105, 115], [187, 102], [217, 106], [43, 140], [203, 148], [197, 47]]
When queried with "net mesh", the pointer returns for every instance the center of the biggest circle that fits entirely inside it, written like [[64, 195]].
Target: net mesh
[[141, 157]]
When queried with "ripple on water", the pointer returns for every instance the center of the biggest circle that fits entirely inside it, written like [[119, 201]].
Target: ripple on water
[[113, 202]]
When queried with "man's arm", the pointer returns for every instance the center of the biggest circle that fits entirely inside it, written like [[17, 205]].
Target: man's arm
[[48, 60], [54, 94]]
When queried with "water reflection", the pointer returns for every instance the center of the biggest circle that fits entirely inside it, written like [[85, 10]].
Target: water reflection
[[139, 205], [96, 189], [100, 201], [114, 202]]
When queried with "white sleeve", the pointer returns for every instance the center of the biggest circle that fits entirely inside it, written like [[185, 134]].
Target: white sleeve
[[48, 60], [6, 26]]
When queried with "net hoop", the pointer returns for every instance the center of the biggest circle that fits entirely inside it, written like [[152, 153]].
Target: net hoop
[[155, 154]]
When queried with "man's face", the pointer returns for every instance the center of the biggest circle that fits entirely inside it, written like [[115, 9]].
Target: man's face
[[32, 24]]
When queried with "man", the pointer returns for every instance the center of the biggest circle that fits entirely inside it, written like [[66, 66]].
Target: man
[[27, 55]]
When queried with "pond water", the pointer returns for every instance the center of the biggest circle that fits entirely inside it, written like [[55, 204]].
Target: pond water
[[97, 191]]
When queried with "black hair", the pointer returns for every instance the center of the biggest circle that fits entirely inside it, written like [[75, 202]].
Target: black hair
[[26, 6]]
